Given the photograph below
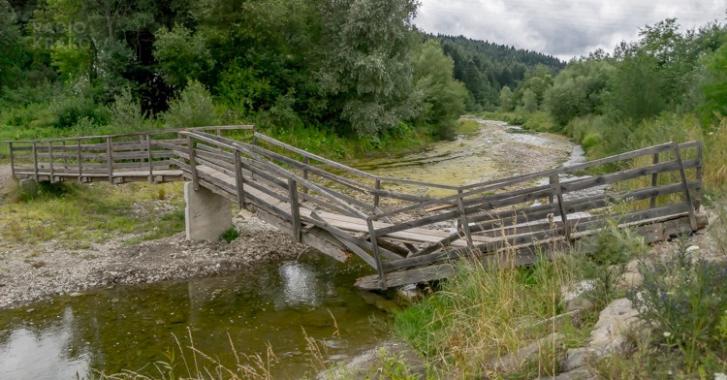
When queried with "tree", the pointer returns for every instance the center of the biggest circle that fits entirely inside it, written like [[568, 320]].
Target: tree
[[11, 49], [366, 71], [193, 108], [578, 90], [530, 101], [715, 86], [182, 56], [440, 98], [506, 99]]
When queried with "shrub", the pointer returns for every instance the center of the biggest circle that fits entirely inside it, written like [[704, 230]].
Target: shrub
[[682, 299], [614, 245], [126, 112], [590, 140], [230, 235], [192, 108]]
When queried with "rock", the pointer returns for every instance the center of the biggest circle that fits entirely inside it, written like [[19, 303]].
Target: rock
[[408, 293], [608, 335], [576, 295], [370, 362], [630, 280], [513, 361], [576, 374]]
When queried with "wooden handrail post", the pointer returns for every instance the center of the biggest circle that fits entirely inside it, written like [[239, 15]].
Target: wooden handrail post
[[555, 184], [239, 180], [375, 248], [654, 180], [463, 222], [50, 158], [192, 163], [149, 157], [294, 209], [12, 160], [35, 161], [109, 160], [306, 160], [65, 156], [377, 196], [80, 161], [687, 193], [699, 174]]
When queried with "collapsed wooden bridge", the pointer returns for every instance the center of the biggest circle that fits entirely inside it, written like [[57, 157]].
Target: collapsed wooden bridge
[[408, 231]]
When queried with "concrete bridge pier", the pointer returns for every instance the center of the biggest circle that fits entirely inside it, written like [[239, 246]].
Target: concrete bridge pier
[[206, 214]]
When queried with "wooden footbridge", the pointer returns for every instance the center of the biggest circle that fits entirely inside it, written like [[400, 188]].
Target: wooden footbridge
[[408, 231]]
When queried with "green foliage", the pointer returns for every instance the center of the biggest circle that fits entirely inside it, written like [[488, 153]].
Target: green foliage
[[230, 235], [715, 87], [529, 101], [126, 112], [71, 60], [506, 99], [192, 108], [681, 300], [440, 98], [182, 55], [578, 90], [365, 70], [614, 245]]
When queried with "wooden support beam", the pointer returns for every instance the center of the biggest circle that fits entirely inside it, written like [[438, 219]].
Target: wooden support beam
[[109, 159], [654, 179], [12, 160], [192, 163], [50, 158], [239, 180], [375, 248], [464, 222], [377, 188], [699, 174], [35, 161], [687, 191], [555, 183], [294, 209], [80, 161], [149, 158]]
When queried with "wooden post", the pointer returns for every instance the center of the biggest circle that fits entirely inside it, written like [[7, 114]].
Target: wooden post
[[12, 160], [654, 180], [464, 223], [294, 209], [239, 180], [50, 158], [149, 157], [699, 174], [65, 156], [80, 160], [35, 161], [687, 194], [306, 160], [218, 132], [375, 248], [193, 164], [377, 197], [555, 183], [109, 159]]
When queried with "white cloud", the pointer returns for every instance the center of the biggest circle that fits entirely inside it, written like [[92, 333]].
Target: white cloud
[[564, 28]]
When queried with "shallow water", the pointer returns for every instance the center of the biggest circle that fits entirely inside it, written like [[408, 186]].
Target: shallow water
[[132, 327]]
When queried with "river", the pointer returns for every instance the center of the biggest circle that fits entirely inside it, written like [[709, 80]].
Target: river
[[270, 309]]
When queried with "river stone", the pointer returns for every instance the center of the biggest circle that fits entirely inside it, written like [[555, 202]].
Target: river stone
[[575, 296], [513, 361], [608, 335], [369, 363]]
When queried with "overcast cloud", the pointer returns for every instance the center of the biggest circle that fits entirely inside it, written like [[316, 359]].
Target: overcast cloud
[[564, 28]]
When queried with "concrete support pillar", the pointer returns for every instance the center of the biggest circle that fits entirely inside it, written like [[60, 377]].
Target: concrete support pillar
[[206, 214]]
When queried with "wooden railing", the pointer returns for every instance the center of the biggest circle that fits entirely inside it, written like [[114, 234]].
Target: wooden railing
[[395, 225]]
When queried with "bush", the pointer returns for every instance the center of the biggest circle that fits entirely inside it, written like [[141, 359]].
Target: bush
[[192, 108], [126, 112], [683, 299]]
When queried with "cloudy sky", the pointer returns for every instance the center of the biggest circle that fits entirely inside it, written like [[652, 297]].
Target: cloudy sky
[[564, 28]]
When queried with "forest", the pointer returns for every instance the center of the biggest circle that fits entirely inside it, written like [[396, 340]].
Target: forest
[[312, 70]]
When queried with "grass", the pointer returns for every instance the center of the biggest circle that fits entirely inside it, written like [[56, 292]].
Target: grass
[[78, 215]]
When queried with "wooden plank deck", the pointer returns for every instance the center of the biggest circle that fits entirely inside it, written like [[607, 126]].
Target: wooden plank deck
[[404, 236]]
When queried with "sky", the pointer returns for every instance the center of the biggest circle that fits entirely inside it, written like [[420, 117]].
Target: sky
[[563, 28]]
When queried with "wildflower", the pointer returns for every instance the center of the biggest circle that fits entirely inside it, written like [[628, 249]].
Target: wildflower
[[667, 334]]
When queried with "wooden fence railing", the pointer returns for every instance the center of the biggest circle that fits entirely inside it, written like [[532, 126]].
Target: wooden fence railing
[[397, 226]]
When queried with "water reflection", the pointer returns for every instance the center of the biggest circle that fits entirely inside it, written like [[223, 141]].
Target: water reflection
[[131, 327], [45, 354]]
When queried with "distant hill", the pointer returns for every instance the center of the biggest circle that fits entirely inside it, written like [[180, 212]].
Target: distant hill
[[485, 67]]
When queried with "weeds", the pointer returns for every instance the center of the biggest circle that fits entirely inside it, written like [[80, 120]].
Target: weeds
[[230, 235]]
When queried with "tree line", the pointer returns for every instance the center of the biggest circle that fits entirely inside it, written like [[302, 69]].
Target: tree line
[[356, 68]]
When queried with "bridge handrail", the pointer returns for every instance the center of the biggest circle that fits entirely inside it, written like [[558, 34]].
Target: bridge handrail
[[130, 134]]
